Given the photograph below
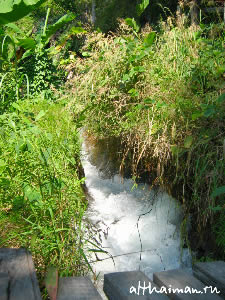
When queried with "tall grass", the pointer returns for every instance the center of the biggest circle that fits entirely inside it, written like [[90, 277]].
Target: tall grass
[[41, 200], [165, 102]]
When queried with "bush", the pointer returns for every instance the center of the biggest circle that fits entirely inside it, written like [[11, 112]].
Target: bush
[[163, 102]]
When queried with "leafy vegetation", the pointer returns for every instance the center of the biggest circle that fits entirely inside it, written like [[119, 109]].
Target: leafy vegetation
[[162, 95], [40, 187], [42, 202], [12, 11], [158, 92]]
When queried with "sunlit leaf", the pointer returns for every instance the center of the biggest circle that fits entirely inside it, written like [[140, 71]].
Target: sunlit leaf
[[13, 10], [149, 39], [77, 30], [86, 54], [132, 23], [2, 163], [140, 8], [27, 44], [40, 115], [27, 54], [15, 105]]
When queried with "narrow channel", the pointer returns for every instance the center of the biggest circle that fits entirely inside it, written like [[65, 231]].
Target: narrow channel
[[137, 225]]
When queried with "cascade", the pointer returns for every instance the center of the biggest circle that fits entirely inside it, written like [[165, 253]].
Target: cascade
[[139, 227]]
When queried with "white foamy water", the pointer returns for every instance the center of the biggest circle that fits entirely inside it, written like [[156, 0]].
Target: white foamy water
[[117, 208]]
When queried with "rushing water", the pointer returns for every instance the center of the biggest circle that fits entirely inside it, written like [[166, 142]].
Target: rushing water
[[138, 226]]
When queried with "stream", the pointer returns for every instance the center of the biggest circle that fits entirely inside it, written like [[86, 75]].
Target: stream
[[137, 225]]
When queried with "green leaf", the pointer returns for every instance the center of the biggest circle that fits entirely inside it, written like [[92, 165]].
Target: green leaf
[[26, 54], [15, 105], [132, 23], [2, 163], [13, 10], [31, 193], [196, 115], [27, 44], [140, 8], [77, 30], [221, 98], [149, 39], [188, 142], [4, 182], [86, 54], [12, 124], [126, 77], [175, 149], [15, 28], [160, 104], [97, 250], [34, 129], [33, 240], [141, 106], [51, 282], [218, 191], [53, 28], [139, 69], [86, 260], [40, 115], [133, 92], [197, 35], [149, 101]]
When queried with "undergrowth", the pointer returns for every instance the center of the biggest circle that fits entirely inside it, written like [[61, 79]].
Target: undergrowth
[[41, 200], [162, 95]]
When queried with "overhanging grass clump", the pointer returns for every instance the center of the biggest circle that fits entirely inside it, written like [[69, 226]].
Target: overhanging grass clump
[[165, 101], [41, 200]]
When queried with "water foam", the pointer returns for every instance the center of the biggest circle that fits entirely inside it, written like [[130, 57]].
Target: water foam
[[139, 227]]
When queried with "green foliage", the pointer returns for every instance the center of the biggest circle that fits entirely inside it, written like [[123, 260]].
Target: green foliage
[[132, 23], [43, 75], [140, 8], [39, 183], [40, 41], [162, 97], [41, 199], [32, 71], [11, 11]]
